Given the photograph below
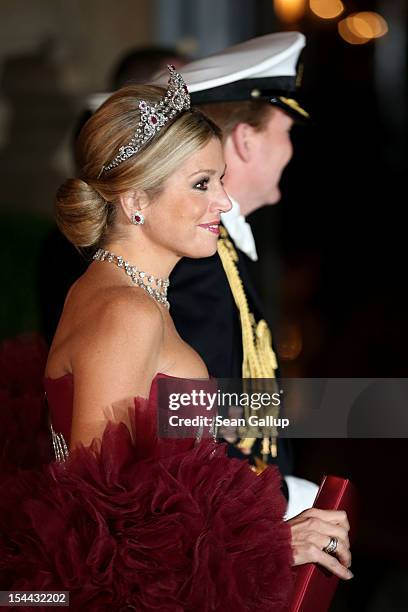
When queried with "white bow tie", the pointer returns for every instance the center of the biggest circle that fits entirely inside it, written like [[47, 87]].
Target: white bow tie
[[240, 230]]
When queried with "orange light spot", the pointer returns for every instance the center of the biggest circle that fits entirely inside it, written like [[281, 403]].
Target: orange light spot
[[360, 28], [289, 342], [289, 10], [326, 9]]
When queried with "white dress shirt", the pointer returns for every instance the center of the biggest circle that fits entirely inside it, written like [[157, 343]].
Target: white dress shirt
[[239, 230]]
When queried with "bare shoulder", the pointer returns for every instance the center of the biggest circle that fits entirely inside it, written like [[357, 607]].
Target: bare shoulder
[[124, 308], [123, 323], [100, 303], [112, 338], [116, 359]]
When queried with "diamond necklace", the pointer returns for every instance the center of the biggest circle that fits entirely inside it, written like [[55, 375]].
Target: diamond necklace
[[155, 287]]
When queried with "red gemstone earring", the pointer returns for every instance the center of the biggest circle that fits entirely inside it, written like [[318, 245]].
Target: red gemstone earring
[[137, 218]]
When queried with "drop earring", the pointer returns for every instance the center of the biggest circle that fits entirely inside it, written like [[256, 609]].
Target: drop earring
[[137, 218]]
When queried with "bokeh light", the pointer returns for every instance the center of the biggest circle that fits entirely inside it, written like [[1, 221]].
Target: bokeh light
[[347, 34], [326, 9], [289, 341], [360, 28], [290, 11], [368, 24]]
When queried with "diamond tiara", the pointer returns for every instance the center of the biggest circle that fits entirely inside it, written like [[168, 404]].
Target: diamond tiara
[[153, 118]]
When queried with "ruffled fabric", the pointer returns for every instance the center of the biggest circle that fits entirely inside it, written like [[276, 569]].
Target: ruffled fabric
[[137, 523]]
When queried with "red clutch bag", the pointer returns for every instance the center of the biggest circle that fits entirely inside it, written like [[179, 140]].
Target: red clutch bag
[[315, 586]]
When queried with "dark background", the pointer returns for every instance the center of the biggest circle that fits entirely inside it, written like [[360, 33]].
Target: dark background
[[339, 235], [333, 262]]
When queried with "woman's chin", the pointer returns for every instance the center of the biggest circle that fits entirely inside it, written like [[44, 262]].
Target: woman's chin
[[201, 252]]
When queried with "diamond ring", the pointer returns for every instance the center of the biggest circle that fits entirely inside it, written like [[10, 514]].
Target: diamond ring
[[331, 548]]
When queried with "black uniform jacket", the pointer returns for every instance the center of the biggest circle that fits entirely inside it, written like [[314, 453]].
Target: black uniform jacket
[[206, 317]]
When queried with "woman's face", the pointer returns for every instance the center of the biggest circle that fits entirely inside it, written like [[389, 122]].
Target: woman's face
[[185, 217]]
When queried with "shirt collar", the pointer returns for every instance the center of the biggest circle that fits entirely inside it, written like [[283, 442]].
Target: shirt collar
[[240, 230]]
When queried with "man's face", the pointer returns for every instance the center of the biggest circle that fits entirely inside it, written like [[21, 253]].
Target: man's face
[[271, 151]]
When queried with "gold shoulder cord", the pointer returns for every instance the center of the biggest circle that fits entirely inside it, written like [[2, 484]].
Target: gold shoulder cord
[[259, 360]]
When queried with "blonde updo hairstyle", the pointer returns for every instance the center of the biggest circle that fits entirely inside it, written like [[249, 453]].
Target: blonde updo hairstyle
[[86, 206]]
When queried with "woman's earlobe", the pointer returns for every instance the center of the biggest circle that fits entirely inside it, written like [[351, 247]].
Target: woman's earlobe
[[132, 204]]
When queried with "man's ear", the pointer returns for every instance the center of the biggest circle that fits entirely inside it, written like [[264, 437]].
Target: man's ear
[[132, 201], [241, 137]]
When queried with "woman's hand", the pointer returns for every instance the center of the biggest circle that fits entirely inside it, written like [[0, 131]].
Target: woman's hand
[[312, 531]]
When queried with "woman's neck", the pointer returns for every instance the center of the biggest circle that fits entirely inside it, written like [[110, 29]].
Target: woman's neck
[[149, 258]]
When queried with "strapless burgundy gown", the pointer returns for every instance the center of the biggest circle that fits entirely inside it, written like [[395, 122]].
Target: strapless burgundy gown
[[137, 523]]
